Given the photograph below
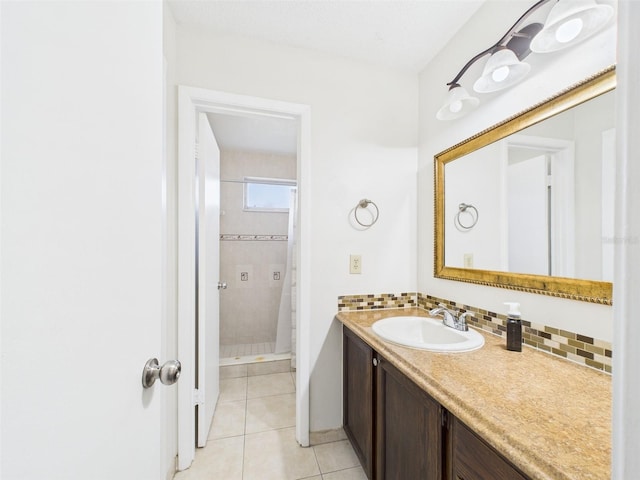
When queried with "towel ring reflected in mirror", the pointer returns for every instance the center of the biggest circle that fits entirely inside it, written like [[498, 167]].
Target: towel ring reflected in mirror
[[467, 224]]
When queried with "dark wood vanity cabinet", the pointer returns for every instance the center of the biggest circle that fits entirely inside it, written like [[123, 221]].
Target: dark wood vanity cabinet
[[399, 432], [472, 459], [408, 428], [393, 425], [358, 397]]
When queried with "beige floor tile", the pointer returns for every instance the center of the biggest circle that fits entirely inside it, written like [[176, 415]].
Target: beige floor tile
[[327, 436], [268, 413], [233, 371], [220, 459], [233, 389], [275, 455], [266, 368], [349, 474], [274, 384], [335, 456], [228, 420]]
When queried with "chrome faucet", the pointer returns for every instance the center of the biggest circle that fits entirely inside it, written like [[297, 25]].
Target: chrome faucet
[[450, 318]]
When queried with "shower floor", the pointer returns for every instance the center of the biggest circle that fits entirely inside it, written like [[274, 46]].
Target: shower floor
[[246, 349]]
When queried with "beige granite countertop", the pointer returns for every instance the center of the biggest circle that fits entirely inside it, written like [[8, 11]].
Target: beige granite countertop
[[549, 417]]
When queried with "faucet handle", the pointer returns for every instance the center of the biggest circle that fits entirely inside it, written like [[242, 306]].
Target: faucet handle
[[463, 317]]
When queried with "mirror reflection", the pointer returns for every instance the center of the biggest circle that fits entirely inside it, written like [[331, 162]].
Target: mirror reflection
[[539, 201]]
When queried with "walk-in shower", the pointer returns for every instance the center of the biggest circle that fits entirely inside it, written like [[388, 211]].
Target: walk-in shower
[[257, 256]]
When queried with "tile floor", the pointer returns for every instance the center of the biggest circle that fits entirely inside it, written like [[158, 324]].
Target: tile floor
[[252, 436]]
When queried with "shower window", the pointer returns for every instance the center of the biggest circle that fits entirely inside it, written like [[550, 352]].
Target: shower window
[[267, 194]]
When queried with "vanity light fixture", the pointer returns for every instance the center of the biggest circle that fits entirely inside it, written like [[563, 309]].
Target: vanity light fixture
[[457, 104], [569, 22], [502, 70]]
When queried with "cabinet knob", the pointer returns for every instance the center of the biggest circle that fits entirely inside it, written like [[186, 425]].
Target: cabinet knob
[[375, 362]]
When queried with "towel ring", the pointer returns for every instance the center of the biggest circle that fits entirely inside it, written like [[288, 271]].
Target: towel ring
[[364, 203], [473, 211]]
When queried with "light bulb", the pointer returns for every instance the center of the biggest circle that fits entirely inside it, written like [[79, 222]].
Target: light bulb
[[455, 106], [569, 30], [499, 74]]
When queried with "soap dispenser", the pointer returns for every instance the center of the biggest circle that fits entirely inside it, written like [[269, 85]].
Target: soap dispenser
[[514, 327]]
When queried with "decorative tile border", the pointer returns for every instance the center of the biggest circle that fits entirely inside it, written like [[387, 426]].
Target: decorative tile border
[[569, 345], [253, 238], [347, 303], [572, 346]]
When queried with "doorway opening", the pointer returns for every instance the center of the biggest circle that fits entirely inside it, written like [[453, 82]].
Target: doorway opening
[[192, 102], [538, 205], [258, 211]]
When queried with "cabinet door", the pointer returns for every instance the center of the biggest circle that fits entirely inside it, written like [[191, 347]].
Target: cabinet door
[[358, 397], [473, 459], [408, 429]]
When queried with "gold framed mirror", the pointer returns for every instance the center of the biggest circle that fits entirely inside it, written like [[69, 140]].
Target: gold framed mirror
[[527, 204]]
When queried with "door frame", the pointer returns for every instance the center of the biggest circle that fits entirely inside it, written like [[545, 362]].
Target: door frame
[[563, 195], [191, 101]]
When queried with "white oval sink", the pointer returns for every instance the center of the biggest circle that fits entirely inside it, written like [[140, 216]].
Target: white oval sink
[[427, 334]]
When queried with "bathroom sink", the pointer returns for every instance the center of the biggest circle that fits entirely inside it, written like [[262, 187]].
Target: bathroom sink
[[427, 333]]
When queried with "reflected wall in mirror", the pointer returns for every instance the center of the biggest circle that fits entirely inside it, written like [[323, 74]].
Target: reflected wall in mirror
[[528, 204]]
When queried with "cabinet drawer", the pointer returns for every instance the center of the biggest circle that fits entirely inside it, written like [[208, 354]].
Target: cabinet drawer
[[473, 459]]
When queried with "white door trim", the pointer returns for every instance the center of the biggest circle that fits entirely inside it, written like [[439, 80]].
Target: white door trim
[[191, 101], [563, 191]]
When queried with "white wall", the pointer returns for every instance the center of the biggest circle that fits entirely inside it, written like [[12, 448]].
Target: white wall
[[549, 74], [595, 118], [480, 241], [363, 144]]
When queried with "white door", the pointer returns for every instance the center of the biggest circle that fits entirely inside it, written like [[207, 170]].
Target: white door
[[528, 219], [82, 240], [208, 253]]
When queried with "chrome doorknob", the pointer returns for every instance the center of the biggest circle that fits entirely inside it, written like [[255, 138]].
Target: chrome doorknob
[[222, 285], [168, 373]]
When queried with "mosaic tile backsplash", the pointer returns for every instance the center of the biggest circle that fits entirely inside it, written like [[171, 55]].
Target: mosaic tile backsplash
[[570, 345], [348, 303]]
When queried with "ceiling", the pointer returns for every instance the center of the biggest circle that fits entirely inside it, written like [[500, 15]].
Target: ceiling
[[255, 133], [404, 34], [397, 34]]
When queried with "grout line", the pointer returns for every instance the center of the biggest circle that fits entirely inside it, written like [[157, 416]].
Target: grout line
[[315, 455], [244, 437], [273, 395]]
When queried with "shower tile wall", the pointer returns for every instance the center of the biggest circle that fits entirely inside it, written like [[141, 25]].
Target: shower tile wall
[[249, 306]]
